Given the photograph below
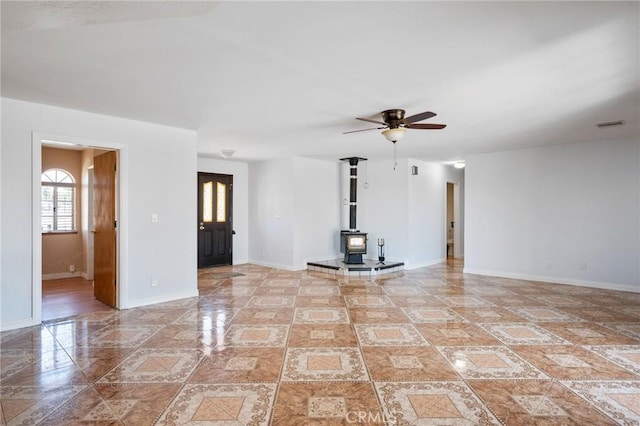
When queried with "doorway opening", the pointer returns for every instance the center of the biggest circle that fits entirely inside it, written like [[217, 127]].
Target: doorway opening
[[453, 224], [75, 228], [450, 225]]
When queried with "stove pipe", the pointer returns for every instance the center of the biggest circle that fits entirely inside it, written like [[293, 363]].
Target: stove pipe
[[353, 190]]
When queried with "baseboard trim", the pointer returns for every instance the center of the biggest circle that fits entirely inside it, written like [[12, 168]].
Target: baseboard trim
[[277, 265], [162, 299], [554, 280], [21, 323], [63, 275], [410, 266]]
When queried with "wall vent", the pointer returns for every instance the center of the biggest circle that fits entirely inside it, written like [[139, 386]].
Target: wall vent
[[611, 124]]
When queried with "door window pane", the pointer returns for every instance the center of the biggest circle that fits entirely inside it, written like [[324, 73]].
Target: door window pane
[[207, 202], [221, 212]]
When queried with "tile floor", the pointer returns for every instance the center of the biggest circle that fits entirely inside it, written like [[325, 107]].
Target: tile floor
[[428, 346]]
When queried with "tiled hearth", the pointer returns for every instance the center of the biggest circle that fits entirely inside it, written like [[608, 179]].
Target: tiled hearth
[[368, 268], [424, 347]]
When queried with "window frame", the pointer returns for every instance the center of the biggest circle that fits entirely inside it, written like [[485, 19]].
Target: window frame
[[56, 188]]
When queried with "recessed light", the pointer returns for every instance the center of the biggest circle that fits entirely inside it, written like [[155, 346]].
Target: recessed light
[[459, 165], [608, 124]]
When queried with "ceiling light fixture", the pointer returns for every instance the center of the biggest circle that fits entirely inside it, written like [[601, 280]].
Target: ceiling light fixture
[[394, 134], [459, 164], [227, 153]]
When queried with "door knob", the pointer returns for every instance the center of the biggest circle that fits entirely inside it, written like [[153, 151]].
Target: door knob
[[201, 228]]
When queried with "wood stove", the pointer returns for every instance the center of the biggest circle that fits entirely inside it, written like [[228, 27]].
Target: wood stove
[[353, 243]]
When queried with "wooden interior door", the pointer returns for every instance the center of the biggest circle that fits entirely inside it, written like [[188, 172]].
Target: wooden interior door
[[104, 221], [215, 204]]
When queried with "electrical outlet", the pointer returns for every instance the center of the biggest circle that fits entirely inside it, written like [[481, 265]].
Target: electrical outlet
[[154, 282], [72, 268], [549, 265]]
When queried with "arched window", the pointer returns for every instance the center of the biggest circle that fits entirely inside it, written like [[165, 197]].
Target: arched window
[[58, 201]]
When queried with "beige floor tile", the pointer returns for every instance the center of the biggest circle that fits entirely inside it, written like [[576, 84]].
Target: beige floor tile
[[389, 335], [248, 365], [322, 335], [327, 404], [536, 402], [618, 399], [377, 316], [269, 347], [625, 356], [236, 403], [442, 402], [568, 362], [150, 365], [456, 334], [588, 333], [407, 364], [324, 364], [262, 316], [489, 362]]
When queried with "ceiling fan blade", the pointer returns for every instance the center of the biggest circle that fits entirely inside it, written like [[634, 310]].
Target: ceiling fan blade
[[372, 121], [364, 130], [419, 117], [428, 126]]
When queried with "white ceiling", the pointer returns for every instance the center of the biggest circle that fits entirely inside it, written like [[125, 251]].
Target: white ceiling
[[270, 79]]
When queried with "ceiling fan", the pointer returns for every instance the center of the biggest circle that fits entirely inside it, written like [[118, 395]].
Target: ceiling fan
[[394, 124]]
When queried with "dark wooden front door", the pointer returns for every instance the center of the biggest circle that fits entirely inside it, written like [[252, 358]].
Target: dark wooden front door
[[215, 204], [104, 220]]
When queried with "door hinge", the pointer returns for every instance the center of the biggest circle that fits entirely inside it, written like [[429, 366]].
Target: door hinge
[[114, 282], [115, 167], [115, 223]]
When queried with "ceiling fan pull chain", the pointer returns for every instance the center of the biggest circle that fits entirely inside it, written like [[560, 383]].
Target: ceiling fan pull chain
[[395, 155]]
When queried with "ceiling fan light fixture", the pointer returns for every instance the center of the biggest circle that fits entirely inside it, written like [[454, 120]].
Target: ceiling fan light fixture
[[395, 134]]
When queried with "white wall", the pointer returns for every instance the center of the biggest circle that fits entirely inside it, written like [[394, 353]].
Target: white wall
[[567, 214], [382, 208], [294, 212], [407, 211], [317, 210], [157, 176], [427, 214], [240, 173], [271, 217]]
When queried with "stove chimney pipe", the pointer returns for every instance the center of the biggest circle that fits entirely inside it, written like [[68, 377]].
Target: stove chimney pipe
[[353, 190]]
